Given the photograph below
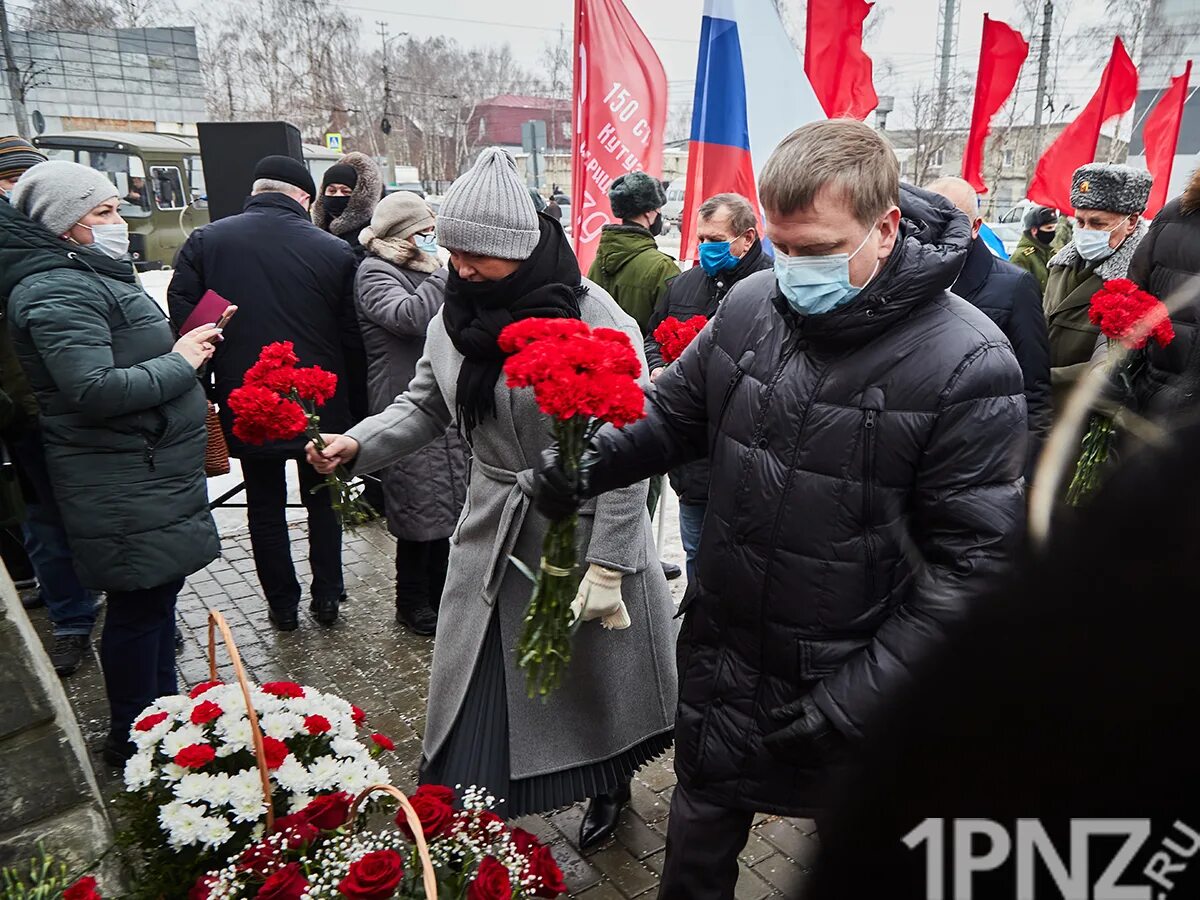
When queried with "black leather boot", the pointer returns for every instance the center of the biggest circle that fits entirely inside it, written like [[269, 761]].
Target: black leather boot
[[417, 618], [325, 609], [600, 818]]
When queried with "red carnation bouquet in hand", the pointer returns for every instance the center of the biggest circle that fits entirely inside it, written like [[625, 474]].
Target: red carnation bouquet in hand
[[278, 402], [673, 336], [582, 378], [1131, 318]]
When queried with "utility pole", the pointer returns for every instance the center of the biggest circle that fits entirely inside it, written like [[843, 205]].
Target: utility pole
[[15, 91], [947, 52], [385, 124], [1040, 101]]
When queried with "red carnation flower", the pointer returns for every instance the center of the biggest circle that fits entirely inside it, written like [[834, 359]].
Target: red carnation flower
[[83, 889], [1122, 311], [491, 881], [279, 355], [275, 751], [314, 384], [262, 858], [527, 331], [287, 883], [145, 723], [543, 867], [205, 712], [329, 811], [357, 715], [202, 687], [432, 806], [673, 336], [195, 756], [373, 877], [316, 724], [260, 415], [286, 689], [383, 741]]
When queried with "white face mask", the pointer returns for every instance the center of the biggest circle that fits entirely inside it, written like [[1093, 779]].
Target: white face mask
[[1092, 243], [111, 240]]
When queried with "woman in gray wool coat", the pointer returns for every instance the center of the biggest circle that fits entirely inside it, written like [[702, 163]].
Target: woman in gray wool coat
[[615, 707], [397, 291]]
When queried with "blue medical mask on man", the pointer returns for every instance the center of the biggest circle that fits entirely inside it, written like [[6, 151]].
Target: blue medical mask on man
[[1092, 243], [715, 257], [814, 285]]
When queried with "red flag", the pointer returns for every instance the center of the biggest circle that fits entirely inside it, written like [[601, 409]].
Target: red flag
[[1000, 58], [1160, 134], [834, 61], [620, 114], [1076, 146]]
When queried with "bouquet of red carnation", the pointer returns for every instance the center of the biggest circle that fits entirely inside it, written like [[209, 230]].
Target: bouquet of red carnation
[[277, 402], [582, 378], [1131, 317], [673, 336]]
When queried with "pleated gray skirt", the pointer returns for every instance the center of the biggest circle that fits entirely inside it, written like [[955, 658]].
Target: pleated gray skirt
[[476, 751]]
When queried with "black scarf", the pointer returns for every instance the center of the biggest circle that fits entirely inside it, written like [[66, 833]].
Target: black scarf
[[547, 285]]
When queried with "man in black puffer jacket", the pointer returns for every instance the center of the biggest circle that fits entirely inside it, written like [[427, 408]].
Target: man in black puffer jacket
[[1010, 297], [730, 250], [866, 431], [1167, 264]]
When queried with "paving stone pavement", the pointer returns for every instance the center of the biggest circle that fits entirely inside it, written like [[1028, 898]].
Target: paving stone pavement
[[379, 666]]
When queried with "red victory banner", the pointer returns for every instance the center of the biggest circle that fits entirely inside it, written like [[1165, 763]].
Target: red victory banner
[[1000, 58], [620, 114], [1160, 134], [1076, 146], [837, 68]]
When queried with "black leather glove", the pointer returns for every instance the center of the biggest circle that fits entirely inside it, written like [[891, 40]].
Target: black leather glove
[[804, 735], [556, 494]]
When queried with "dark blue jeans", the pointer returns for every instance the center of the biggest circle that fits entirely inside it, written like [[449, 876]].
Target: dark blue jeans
[[137, 651], [691, 521], [71, 606]]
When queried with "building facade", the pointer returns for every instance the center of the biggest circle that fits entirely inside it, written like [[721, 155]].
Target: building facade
[[116, 79]]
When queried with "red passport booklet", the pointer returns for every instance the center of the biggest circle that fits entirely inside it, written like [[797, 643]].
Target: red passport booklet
[[210, 308]]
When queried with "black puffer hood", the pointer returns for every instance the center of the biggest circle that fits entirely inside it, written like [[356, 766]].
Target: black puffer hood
[[934, 240], [26, 248]]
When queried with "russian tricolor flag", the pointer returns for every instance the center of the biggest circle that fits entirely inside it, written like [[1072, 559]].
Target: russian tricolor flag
[[751, 92]]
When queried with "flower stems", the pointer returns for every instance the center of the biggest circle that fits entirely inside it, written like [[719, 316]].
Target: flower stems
[[344, 495], [1094, 454]]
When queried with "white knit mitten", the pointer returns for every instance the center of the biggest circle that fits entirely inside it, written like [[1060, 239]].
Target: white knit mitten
[[599, 597]]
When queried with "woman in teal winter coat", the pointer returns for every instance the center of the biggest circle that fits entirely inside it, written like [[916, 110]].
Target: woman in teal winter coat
[[123, 420]]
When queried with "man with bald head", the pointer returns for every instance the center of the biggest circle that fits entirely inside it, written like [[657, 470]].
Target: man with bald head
[[1010, 297]]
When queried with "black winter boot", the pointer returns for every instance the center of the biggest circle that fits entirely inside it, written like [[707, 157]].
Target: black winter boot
[[601, 817]]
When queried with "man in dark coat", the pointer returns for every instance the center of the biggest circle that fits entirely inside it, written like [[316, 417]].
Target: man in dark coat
[[1033, 252], [1167, 264], [730, 250], [1011, 299], [866, 431], [291, 281]]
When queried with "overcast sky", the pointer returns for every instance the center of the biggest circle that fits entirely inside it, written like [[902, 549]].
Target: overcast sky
[[906, 40]]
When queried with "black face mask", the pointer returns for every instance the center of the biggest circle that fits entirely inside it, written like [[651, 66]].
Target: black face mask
[[335, 206], [1044, 236], [656, 226]]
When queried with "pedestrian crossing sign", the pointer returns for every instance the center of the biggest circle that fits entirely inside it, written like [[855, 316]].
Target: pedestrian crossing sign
[[333, 141]]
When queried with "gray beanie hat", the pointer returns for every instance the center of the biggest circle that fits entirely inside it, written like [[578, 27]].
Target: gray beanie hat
[[634, 194], [1111, 187], [400, 215], [57, 194], [488, 211]]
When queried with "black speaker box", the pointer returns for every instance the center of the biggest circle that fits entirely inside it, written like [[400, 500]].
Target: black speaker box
[[230, 151]]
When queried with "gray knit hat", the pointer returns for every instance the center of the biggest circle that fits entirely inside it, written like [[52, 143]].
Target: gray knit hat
[[634, 194], [57, 194], [399, 215], [1111, 187], [488, 211]]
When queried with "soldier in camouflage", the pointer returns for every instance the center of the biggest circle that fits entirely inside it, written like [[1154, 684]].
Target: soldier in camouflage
[[1034, 249]]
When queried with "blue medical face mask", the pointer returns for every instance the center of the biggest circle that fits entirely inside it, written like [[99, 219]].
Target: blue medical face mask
[[715, 257], [1092, 244], [426, 243], [813, 285]]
